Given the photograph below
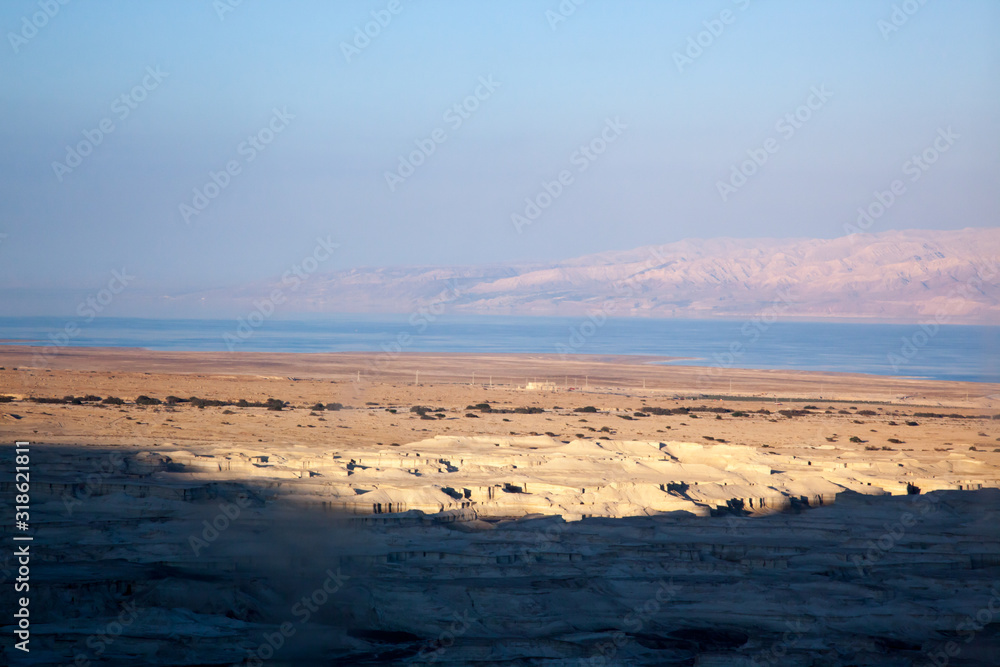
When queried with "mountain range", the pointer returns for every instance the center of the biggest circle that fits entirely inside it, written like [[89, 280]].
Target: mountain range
[[892, 276]]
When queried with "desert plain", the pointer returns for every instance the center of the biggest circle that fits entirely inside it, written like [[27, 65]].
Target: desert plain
[[250, 508]]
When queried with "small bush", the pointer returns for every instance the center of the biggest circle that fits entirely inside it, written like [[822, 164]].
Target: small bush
[[912, 424], [586, 408], [855, 438], [6, 399], [896, 441], [113, 400], [142, 399], [333, 407], [319, 407]]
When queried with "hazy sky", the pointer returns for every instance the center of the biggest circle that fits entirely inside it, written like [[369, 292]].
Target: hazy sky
[[310, 115]]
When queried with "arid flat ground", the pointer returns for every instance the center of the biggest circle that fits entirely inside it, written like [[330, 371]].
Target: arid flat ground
[[682, 522], [614, 385]]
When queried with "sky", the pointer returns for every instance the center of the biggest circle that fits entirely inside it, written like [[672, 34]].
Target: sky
[[198, 144]]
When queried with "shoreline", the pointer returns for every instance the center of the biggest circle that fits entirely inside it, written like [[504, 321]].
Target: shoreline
[[636, 375]]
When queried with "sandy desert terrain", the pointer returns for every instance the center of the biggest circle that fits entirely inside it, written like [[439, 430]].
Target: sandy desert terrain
[[634, 513]]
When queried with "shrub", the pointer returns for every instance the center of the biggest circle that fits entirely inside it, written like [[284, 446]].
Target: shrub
[[334, 407], [113, 400], [855, 438], [420, 410], [896, 441], [912, 489], [275, 404], [6, 399], [866, 412], [91, 398], [142, 399], [528, 411], [912, 424], [319, 407], [739, 413], [586, 408], [174, 400]]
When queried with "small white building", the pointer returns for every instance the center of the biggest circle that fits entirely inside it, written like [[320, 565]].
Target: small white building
[[541, 386]]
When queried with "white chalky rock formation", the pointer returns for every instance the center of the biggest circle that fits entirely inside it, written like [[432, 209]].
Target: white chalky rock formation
[[528, 551]]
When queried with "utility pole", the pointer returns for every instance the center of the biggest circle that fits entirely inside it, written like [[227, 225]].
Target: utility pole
[[359, 377]]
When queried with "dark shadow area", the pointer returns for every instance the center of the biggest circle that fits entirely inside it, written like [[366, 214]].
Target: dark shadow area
[[130, 566]]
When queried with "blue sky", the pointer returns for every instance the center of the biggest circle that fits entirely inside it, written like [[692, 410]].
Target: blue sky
[[345, 121]]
